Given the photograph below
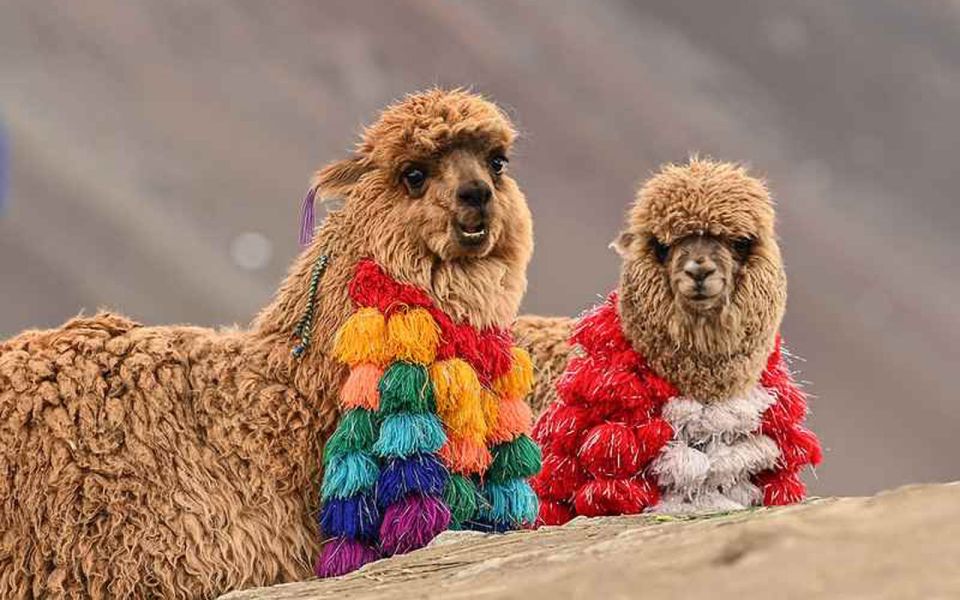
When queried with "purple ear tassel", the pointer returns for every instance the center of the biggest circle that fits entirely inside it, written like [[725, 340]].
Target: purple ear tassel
[[306, 218]]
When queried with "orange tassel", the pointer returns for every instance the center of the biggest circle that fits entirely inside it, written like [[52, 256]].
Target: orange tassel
[[361, 388], [514, 417], [465, 456]]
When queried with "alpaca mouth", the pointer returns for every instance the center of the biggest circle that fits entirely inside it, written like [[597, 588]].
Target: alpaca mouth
[[471, 235], [700, 299]]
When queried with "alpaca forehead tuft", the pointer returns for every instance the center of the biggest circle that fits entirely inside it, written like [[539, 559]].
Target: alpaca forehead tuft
[[703, 197], [426, 124]]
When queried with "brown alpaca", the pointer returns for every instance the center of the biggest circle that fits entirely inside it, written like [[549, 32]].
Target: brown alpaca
[[182, 462], [712, 341]]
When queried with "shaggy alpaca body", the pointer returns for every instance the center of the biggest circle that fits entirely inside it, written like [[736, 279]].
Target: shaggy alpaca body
[[677, 399], [182, 462], [547, 340]]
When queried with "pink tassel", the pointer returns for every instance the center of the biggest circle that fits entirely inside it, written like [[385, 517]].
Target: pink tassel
[[341, 556], [412, 523]]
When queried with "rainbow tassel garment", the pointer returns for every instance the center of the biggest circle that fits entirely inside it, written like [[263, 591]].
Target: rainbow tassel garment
[[434, 432]]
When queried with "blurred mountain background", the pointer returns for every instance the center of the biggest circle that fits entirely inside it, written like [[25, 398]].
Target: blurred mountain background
[[159, 152]]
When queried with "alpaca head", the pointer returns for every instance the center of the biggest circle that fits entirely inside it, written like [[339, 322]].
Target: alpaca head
[[430, 190], [702, 280]]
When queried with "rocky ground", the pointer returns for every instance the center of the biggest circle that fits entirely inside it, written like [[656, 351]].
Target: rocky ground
[[899, 544]]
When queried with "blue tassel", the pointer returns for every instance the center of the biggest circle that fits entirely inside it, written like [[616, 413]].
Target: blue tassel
[[422, 473], [404, 434], [356, 517], [512, 503], [347, 474]]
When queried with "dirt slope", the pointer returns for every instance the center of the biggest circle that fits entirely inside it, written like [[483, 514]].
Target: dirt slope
[[900, 544]]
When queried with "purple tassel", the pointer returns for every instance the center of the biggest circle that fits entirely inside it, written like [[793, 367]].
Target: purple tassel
[[341, 556], [422, 473], [306, 218], [412, 523]]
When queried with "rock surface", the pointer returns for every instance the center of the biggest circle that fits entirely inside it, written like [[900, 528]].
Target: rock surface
[[899, 544]]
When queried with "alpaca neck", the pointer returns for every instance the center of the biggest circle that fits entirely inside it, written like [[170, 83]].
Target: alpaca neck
[[710, 359], [314, 372]]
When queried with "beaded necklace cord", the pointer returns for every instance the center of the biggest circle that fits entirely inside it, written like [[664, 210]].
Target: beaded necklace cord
[[304, 328]]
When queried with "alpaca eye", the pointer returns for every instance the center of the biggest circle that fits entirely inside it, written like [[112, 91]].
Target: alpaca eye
[[414, 178], [498, 164], [743, 247], [659, 249]]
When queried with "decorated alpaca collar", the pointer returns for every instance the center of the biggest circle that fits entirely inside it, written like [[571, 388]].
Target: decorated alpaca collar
[[621, 439], [434, 432]]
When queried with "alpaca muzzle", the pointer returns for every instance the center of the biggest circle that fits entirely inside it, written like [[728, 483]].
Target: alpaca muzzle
[[472, 222]]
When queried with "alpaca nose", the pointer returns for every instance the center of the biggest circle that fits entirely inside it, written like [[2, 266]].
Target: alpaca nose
[[475, 194], [699, 269]]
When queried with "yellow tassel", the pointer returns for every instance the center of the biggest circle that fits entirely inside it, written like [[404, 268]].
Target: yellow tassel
[[413, 336], [518, 381], [456, 389], [362, 339], [490, 403]]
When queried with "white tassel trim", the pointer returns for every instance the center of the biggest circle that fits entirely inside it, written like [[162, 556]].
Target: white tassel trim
[[714, 454]]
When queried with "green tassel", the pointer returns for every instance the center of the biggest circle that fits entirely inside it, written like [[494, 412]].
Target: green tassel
[[518, 458], [405, 387], [460, 495], [356, 432]]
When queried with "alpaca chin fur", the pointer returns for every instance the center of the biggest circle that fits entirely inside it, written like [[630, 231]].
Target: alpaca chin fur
[[721, 353], [183, 462]]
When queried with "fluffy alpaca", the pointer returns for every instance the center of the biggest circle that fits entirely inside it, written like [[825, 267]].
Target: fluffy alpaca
[[182, 462], [547, 340], [678, 399]]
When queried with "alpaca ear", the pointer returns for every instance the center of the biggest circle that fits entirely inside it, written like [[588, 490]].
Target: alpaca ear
[[334, 180], [338, 179], [622, 243]]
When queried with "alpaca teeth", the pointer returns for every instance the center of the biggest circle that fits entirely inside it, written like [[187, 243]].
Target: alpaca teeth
[[475, 234]]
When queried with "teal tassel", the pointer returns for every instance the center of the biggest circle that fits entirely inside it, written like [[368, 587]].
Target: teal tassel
[[404, 434], [348, 474], [512, 503], [405, 387], [518, 458], [357, 431]]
